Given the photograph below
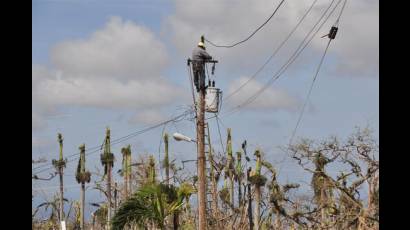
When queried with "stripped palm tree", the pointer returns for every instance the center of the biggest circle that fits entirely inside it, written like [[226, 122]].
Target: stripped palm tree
[[258, 181]]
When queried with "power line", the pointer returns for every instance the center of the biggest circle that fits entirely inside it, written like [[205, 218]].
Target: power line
[[293, 57], [284, 67], [129, 136], [308, 94], [314, 79], [253, 33], [273, 54], [220, 136]]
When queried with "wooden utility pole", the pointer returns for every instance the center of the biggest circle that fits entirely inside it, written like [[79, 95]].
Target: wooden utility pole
[[60, 165], [107, 159], [200, 133], [201, 160], [82, 177]]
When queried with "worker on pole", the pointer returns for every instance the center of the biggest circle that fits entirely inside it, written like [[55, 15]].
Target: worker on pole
[[199, 57]]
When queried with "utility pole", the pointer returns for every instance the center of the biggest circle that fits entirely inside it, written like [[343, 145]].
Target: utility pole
[[60, 165], [82, 177], [107, 160], [201, 159], [200, 130]]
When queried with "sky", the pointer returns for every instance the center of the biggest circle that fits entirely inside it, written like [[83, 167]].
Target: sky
[[122, 64]]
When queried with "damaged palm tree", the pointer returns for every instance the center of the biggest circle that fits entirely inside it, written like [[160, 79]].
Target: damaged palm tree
[[60, 164], [239, 176], [229, 169], [166, 159], [126, 170], [82, 177], [323, 189], [277, 197], [258, 180], [107, 160]]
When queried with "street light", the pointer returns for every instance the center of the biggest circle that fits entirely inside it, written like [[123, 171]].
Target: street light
[[181, 137]]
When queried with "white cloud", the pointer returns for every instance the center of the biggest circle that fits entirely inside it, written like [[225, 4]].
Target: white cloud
[[271, 98], [121, 50], [105, 93], [355, 48], [118, 66]]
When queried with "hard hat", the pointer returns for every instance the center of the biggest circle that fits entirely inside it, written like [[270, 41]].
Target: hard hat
[[201, 44]]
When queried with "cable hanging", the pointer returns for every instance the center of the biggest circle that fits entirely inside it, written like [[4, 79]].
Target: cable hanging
[[284, 67], [253, 33], [129, 136], [309, 92], [273, 54], [331, 36]]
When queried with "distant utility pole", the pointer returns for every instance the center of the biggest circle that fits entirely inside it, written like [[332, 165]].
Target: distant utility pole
[[60, 165], [82, 177], [107, 160]]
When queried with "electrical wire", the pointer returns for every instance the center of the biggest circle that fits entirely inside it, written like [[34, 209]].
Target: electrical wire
[[308, 94], [192, 85], [253, 33], [220, 136], [314, 79], [129, 136], [274, 52], [294, 56], [284, 67]]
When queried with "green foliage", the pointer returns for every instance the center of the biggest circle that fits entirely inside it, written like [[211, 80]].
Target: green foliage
[[151, 203]]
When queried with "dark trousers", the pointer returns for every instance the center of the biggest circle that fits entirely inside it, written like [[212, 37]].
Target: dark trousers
[[199, 77]]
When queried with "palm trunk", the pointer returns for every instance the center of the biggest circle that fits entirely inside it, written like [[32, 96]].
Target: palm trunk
[[82, 206], [61, 195], [109, 197], [257, 206], [166, 159], [249, 192], [176, 220]]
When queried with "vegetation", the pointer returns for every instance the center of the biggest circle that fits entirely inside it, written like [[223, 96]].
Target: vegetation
[[347, 198]]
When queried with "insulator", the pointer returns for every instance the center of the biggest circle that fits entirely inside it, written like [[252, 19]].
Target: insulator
[[332, 33]]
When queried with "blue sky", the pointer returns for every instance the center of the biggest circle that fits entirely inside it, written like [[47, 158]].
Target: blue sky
[[161, 36]]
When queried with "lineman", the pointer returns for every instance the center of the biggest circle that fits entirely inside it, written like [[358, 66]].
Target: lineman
[[199, 56]]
